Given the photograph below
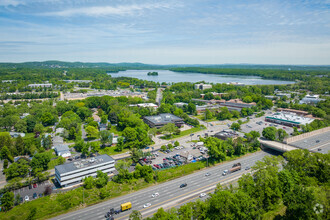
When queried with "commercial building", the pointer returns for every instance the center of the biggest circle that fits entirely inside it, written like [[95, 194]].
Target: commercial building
[[62, 150], [225, 134], [73, 173], [160, 120], [311, 99], [78, 81], [145, 105], [298, 112], [180, 104], [288, 119], [236, 84], [46, 85], [203, 86]]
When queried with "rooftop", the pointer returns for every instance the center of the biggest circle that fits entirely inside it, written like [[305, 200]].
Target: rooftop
[[68, 167], [163, 118], [290, 117]]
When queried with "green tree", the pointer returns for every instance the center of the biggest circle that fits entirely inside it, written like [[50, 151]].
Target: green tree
[[84, 113], [5, 154], [92, 132], [169, 129], [269, 133], [136, 154], [7, 201], [135, 215], [105, 137], [207, 114], [5, 164], [21, 126], [17, 169], [281, 134], [40, 161], [191, 108], [235, 126], [176, 143], [224, 114], [89, 182], [101, 179], [130, 134], [95, 147], [30, 122], [120, 144], [48, 119], [39, 128], [32, 214], [104, 119]]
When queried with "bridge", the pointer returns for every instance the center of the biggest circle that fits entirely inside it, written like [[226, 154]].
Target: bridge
[[277, 145]]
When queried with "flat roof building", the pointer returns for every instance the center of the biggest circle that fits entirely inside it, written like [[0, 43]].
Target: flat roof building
[[311, 99], [225, 134], [160, 120], [288, 119], [73, 173], [47, 85], [145, 105], [203, 86]]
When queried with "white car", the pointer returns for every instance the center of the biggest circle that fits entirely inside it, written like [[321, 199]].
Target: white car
[[207, 174], [146, 205], [155, 195], [26, 198], [202, 195]]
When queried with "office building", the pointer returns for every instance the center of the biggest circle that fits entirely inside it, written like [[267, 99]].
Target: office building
[[160, 120], [73, 173], [203, 86], [288, 119]]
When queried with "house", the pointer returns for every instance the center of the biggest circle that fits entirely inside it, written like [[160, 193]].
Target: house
[[16, 134], [62, 150]]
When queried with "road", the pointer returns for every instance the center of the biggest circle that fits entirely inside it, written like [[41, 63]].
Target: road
[[159, 96], [317, 143], [170, 193]]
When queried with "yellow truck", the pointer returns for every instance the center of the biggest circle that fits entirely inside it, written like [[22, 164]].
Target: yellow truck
[[126, 206]]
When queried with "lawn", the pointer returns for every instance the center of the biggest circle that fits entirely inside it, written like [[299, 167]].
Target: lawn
[[184, 133], [111, 150], [114, 130]]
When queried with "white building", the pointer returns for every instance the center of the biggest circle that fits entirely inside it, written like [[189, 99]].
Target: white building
[[47, 85], [75, 172], [288, 119], [310, 99], [203, 86], [180, 104], [62, 150]]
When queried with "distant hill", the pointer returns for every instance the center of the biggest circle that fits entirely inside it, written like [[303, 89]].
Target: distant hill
[[62, 64]]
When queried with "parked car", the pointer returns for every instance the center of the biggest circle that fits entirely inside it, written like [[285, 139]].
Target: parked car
[[26, 198], [247, 168], [35, 195], [35, 185], [225, 172]]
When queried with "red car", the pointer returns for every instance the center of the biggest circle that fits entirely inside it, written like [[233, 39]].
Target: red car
[[35, 185]]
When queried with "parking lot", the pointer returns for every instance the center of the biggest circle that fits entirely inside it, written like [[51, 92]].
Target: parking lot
[[34, 189]]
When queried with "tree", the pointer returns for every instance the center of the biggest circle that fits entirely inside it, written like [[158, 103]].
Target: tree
[[89, 182], [5, 164], [39, 128], [207, 114], [40, 161], [136, 154], [92, 132], [104, 119], [47, 142], [17, 169], [7, 201], [5, 154], [224, 114], [19, 145], [130, 134], [106, 137], [281, 134], [101, 179], [191, 108], [48, 119], [235, 126], [135, 215], [176, 143], [48, 190], [169, 129], [120, 144], [84, 113], [95, 147], [30, 122], [21, 126], [104, 193], [269, 133], [235, 114]]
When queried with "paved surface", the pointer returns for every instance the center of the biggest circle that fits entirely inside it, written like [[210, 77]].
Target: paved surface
[[170, 194], [25, 191], [321, 141], [277, 145]]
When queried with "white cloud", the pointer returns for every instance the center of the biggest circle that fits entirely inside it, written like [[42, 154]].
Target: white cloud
[[10, 3], [96, 11]]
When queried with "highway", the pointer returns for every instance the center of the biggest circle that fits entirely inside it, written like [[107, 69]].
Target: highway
[[313, 143], [170, 193]]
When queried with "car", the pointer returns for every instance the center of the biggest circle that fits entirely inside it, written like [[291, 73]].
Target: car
[[319, 149], [35, 195], [247, 168], [26, 198], [225, 172], [21, 199], [207, 174], [117, 211], [30, 187], [155, 195], [317, 141], [40, 195], [35, 185], [183, 185], [146, 205], [202, 195]]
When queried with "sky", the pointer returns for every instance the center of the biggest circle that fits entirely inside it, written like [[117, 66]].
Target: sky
[[166, 31]]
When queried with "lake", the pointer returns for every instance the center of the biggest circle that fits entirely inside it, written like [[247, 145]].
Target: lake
[[174, 77]]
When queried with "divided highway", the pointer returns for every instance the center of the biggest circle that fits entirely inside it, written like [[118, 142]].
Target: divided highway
[[170, 193]]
